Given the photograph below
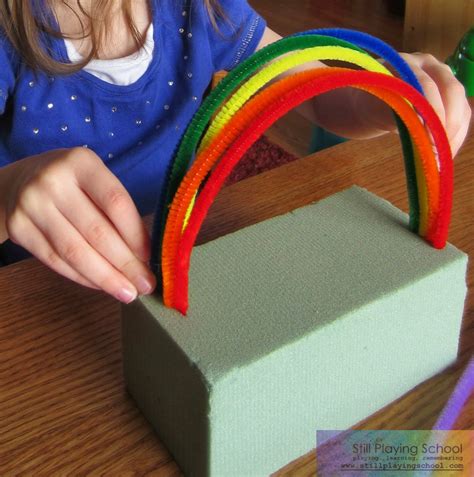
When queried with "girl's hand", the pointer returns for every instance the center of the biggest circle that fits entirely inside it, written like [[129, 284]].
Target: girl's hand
[[368, 116], [75, 216], [445, 93]]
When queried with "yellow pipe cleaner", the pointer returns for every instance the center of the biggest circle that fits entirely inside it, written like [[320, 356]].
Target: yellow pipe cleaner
[[270, 72]]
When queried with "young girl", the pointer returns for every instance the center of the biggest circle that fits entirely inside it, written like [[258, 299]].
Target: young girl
[[95, 96]]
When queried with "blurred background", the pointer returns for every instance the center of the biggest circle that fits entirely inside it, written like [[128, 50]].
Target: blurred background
[[434, 26]]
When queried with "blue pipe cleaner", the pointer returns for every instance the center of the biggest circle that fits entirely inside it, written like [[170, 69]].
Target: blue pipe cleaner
[[373, 44]]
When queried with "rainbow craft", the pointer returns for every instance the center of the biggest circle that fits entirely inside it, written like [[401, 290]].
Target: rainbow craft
[[246, 107]]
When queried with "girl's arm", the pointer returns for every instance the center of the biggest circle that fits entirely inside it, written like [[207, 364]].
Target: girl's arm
[[355, 114]]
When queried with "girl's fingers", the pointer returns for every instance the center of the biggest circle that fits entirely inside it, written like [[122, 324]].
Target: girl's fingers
[[458, 139], [430, 88], [445, 93], [31, 238], [100, 233], [107, 192], [69, 244], [452, 93]]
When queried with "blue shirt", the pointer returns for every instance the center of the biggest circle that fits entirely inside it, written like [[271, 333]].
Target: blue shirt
[[136, 128]]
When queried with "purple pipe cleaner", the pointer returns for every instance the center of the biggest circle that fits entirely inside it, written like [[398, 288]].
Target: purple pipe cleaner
[[460, 395]]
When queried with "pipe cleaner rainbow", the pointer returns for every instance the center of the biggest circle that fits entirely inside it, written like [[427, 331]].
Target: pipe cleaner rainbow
[[244, 106]]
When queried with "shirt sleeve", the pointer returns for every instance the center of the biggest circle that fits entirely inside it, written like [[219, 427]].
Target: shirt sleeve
[[8, 67], [7, 71], [237, 36]]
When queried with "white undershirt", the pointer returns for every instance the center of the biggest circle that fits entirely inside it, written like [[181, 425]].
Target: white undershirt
[[121, 71]]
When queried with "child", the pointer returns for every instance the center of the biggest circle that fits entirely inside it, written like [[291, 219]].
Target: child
[[86, 141]]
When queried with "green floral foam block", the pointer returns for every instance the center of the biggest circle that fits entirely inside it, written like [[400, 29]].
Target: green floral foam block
[[310, 320]]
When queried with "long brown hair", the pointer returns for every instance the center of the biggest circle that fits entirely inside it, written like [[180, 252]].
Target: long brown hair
[[23, 25]]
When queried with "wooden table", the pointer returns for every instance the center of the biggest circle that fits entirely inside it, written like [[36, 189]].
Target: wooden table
[[63, 406], [436, 26]]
